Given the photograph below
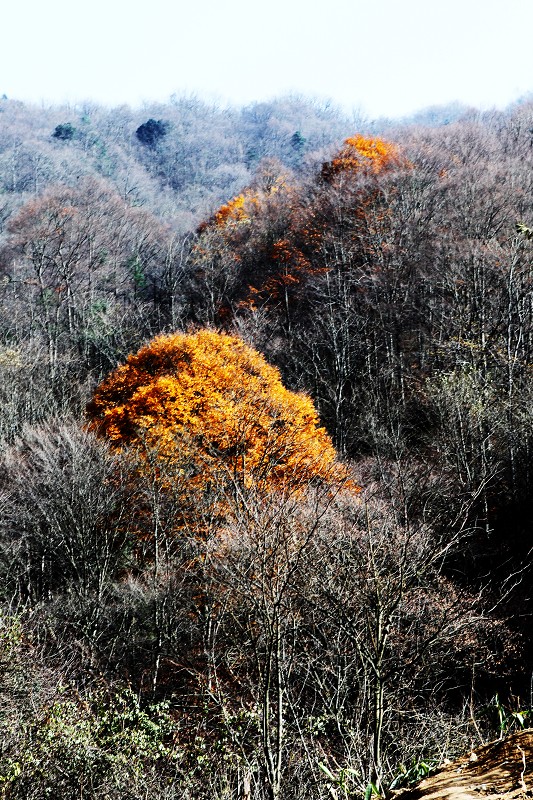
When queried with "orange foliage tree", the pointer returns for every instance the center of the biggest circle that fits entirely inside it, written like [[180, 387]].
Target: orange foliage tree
[[277, 239], [214, 408], [269, 180], [260, 227], [232, 211], [362, 154]]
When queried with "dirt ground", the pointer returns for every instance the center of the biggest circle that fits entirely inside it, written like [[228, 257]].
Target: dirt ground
[[500, 769]]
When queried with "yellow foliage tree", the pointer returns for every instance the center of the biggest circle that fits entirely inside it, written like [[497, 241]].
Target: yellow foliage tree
[[362, 154], [269, 180], [232, 211], [211, 405]]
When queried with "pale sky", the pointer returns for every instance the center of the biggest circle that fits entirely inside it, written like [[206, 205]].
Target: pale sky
[[382, 57]]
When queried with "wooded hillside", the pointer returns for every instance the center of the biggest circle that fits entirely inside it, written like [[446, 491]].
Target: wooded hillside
[[266, 433]]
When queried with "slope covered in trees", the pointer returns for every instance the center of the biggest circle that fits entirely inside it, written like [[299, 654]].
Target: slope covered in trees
[[178, 158], [213, 287]]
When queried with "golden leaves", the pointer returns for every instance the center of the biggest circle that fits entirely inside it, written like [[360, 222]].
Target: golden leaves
[[210, 400], [362, 154], [233, 211]]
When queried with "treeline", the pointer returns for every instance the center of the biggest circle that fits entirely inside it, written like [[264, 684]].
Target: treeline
[[179, 159], [306, 641]]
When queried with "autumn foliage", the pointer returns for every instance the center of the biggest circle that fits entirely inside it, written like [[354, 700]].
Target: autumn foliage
[[212, 405], [362, 154], [239, 209], [232, 211], [276, 237]]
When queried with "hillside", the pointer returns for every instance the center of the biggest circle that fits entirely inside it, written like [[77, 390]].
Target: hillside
[[201, 155], [266, 438]]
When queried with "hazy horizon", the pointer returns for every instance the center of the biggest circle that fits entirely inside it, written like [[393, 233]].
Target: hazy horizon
[[414, 55]]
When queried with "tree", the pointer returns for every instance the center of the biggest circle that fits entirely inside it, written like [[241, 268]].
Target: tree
[[76, 258], [211, 426], [298, 142], [393, 633], [258, 566], [211, 404], [150, 132], [65, 132], [362, 154], [63, 527]]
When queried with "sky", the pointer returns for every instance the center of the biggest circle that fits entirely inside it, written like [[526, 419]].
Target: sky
[[375, 57]]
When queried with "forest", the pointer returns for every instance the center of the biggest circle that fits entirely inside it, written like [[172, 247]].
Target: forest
[[266, 439]]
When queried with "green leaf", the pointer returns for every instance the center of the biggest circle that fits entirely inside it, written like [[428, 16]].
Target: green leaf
[[327, 772]]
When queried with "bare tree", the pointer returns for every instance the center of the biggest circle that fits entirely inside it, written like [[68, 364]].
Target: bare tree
[[65, 525]]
